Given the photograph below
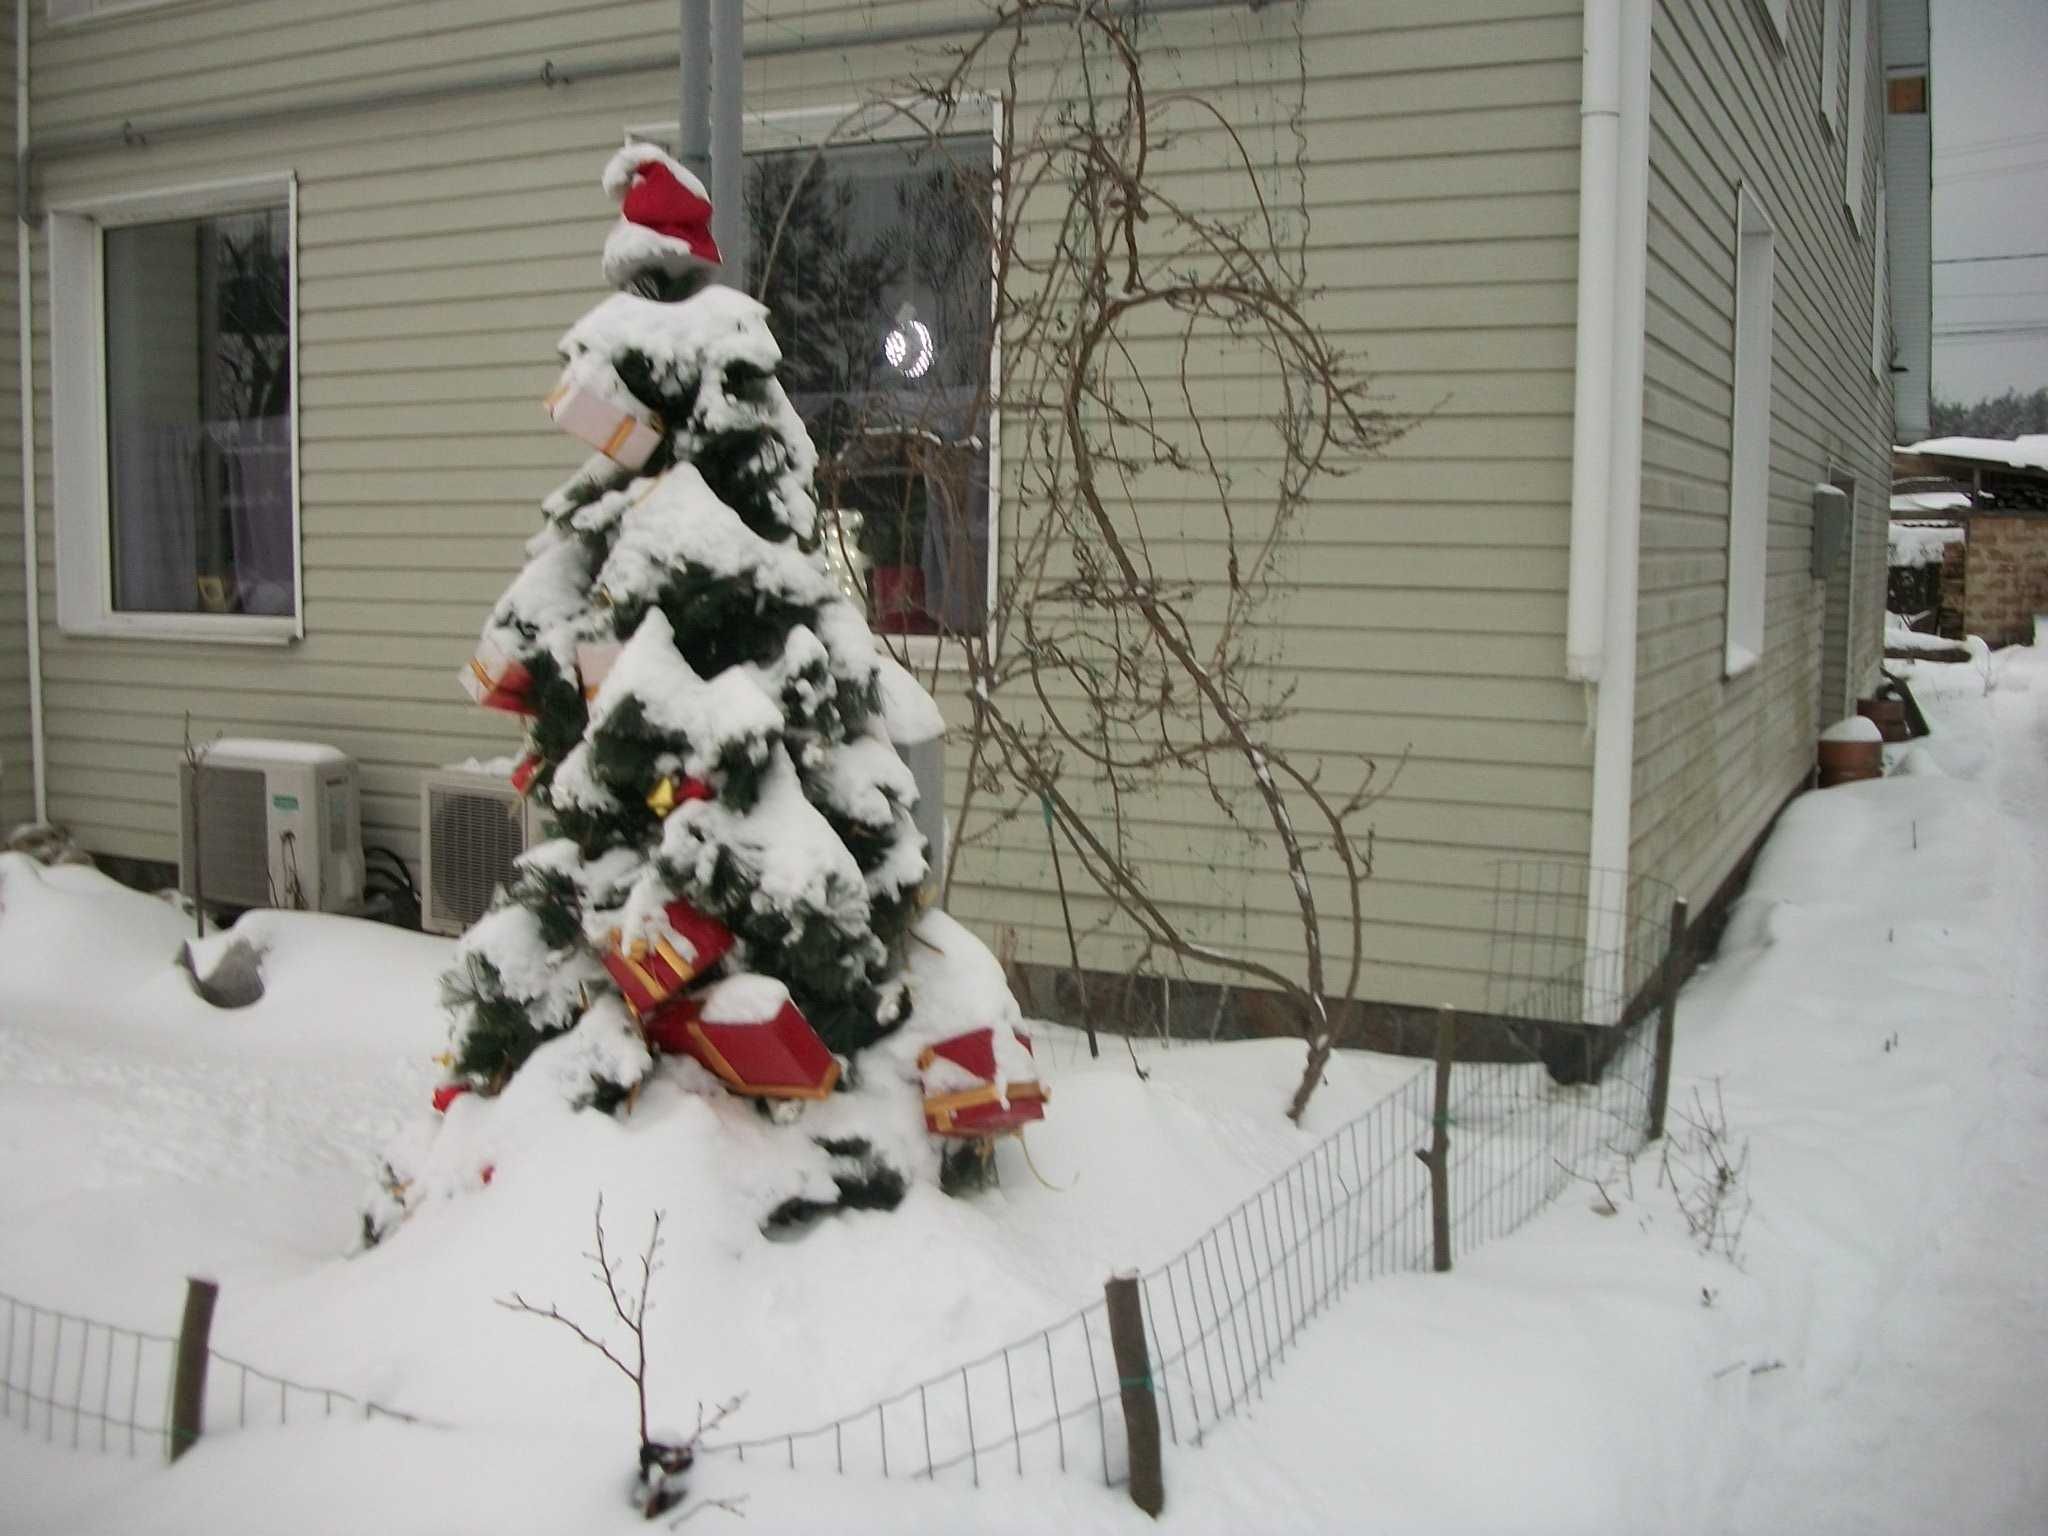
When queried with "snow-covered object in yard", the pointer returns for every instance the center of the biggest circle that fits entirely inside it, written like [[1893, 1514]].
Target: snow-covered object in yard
[[710, 723], [1911, 545], [1929, 503], [1854, 728], [980, 1083]]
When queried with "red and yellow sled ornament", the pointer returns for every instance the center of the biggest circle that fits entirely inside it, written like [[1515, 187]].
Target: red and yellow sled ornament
[[776, 1057], [986, 1110], [650, 971]]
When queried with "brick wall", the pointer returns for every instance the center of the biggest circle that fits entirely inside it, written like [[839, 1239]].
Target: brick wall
[[2006, 577]]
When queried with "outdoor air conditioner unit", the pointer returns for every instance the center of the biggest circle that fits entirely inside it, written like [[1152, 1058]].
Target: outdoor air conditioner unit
[[473, 824], [271, 824]]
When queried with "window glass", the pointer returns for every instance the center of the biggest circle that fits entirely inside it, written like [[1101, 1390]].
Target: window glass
[[198, 399], [877, 282]]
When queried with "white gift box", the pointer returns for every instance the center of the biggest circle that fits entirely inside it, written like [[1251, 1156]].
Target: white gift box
[[625, 436], [594, 659]]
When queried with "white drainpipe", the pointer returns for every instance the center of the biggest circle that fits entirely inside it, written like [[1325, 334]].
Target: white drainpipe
[[1592, 418], [25, 313], [1607, 452]]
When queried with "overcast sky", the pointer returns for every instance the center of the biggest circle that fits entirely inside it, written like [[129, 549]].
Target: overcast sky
[[1989, 96]]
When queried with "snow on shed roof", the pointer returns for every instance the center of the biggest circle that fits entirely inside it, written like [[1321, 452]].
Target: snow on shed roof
[[2029, 452]]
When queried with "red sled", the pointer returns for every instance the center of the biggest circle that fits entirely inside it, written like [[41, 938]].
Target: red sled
[[498, 681], [975, 1112], [779, 1057], [650, 971]]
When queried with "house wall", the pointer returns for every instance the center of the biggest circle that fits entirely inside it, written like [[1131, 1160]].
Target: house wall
[[445, 245], [17, 788], [1716, 756]]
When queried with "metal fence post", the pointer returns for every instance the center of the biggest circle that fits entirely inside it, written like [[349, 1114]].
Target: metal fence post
[[188, 1394], [1667, 1019], [1134, 1378], [1439, 1158]]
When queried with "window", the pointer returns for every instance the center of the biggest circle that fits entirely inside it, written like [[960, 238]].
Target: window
[[1880, 307], [174, 373], [1906, 95], [1749, 473], [1831, 66], [877, 281], [1859, 108]]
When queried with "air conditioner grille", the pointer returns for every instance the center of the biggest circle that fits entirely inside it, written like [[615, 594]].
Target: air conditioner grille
[[233, 836], [475, 839]]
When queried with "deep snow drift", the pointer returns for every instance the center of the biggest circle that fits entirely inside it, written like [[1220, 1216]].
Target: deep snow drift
[[1868, 1362]]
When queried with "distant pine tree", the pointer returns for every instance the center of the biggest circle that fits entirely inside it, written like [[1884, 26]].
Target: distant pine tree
[[2011, 414]]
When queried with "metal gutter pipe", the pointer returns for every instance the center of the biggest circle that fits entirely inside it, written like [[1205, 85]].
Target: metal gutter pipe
[[25, 318], [1592, 402], [693, 118], [728, 127]]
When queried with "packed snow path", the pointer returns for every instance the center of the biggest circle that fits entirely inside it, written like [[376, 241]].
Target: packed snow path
[[1941, 1420]]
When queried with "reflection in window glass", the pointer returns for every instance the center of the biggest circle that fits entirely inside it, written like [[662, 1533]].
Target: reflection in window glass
[[199, 453], [877, 264]]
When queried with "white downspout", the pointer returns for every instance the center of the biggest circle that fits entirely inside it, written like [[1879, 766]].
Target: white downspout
[[1592, 421], [25, 319], [1620, 482]]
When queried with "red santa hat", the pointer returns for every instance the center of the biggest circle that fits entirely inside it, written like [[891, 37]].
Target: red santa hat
[[664, 217]]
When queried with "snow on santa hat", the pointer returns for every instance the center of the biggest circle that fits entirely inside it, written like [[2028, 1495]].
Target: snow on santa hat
[[664, 217]]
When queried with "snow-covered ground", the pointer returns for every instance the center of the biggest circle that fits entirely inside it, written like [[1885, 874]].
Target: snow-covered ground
[[1870, 1358]]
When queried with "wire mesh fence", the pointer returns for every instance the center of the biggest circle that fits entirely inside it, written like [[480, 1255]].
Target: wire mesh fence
[[84, 1383], [1220, 1317], [1575, 963], [92, 1385]]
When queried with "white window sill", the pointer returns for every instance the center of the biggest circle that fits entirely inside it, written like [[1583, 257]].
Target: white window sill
[[921, 655], [215, 629], [1736, 660]]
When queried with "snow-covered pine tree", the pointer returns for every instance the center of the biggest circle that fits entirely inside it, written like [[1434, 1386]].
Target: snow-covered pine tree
[[705, 710]]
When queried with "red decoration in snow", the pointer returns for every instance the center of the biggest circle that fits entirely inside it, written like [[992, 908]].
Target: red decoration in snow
[[525, 771], [981, 1111], [779, 1057], [498, 681], [650, 971], [448, 1093], [659, 202]]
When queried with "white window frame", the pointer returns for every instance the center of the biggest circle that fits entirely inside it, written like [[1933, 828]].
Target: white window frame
[[1831, 67], [1859, 110], [78, 405], [808, 127], [1749, 471], [1880, 293]]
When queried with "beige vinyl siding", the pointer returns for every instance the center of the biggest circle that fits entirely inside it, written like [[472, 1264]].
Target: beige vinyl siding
[[1715, 757], [17, 789], [444, 246]]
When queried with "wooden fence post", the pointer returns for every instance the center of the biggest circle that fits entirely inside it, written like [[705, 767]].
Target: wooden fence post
[[188, 1391], [1440, 1142], [1667, 1019], [1134, 1376]]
